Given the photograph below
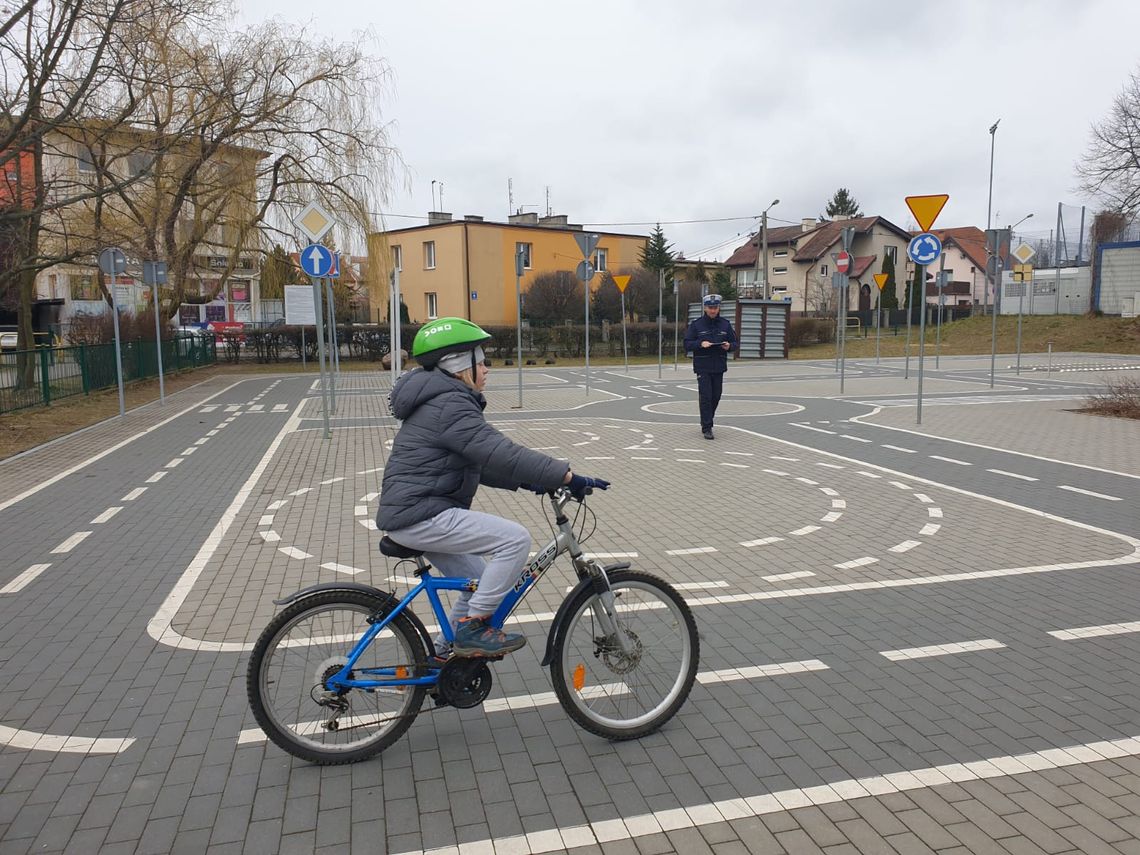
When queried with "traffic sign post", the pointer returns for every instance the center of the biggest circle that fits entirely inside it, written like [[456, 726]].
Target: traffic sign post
[[921, 336], [585, 272], [318, 311], [113, 262], [334, 357], [520, 267], [881, 281], [994, 240], [621, 282], [154, 274], [943, 281]]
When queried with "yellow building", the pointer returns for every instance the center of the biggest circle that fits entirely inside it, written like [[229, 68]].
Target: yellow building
[[466, 268]]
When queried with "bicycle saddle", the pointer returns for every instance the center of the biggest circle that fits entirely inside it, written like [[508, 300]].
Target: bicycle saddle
[[394, 550]]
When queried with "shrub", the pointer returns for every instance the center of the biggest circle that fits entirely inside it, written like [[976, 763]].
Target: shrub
[[1122, 400]]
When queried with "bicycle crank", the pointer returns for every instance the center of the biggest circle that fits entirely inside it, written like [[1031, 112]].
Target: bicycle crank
[[464, 682]]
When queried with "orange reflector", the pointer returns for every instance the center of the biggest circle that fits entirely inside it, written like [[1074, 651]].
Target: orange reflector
[[401, 674], [579, 676]]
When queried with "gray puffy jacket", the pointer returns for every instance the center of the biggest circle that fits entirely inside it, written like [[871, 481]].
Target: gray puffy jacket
[[445, 449]]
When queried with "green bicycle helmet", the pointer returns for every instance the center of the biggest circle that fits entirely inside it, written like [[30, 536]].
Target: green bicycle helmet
[[444, 336]]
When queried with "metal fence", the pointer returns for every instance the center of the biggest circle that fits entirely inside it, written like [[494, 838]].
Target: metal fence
[[29, 378]]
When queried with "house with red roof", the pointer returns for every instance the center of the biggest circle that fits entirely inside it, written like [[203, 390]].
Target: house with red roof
[[964, 249], [800, 261]]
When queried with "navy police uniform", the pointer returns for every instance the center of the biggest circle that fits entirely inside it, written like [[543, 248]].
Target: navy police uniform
[[709, 363]]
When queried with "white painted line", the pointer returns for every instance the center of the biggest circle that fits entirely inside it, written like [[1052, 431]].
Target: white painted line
[[735, 465], [213, 432], [694, 460], [24, 579], [598, 458], [369, 524], [209, 409], [839, 503], [266, 519], [233, 408], [1089, 493], [831, 516], [831, 466], [764, 541], [942, 649], [652, 391], [645, 458], [950, 460], [280, 408], [332, 480], [807, 529], [583, 442], [746, 454], [156, 477], [694, 450], [71, 542], [900, 485], [855, 438], [106, 515], [869, 475], [360, 511], [186, 452], [1086, 631], [810, 427], [776, 472], [856, 562], [1011, 474], [699, 586], [293, 552], [202, 441], [270, 536], [929, 529], [808, 481], [900, 448], [274, 506], [28, 740], [370, 497], [302, 491], [697, 550], [257, 408], [935, 513], [787, 577], [342, 568], [786, 459], [370, 471], [827, 491], [922, 497], [905, 546], [612, 554], [134, 494]]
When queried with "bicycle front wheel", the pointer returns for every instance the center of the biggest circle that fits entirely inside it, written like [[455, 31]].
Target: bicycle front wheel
[[309, 642], [628, 685]]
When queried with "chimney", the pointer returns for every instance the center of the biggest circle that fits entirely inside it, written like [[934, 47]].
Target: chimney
[[529, 219], [472, 218], [807, 224], [438, 217], [554, 221]]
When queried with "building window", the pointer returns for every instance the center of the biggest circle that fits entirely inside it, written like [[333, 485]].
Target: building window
[[525, 249], [779, 253], [823, 270], [86, 159], [432, 305], [397, 257], [140, 163], [891, 252], [429, 255], [600, 258], [776, 271], [972, 270]]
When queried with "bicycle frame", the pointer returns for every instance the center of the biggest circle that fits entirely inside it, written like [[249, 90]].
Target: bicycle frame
[[564, 540]]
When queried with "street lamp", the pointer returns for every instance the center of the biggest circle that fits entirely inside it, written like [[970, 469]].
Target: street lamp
[[762, 249], [1018, 223], [990, 201]]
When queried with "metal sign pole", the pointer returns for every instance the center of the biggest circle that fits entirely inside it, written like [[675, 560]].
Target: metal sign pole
[[843, 340], [909, 312], [994, 262], [676, 319], [118, 347], [158, 348], [878, 323], [921, 337], [660, 316], [624, 343], [319, 311], [519, 259], [941, 288], [586, 289], [1020, 305], [332, 342]]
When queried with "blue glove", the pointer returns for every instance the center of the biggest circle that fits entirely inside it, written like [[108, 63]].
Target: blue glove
[[541, 491], [581, 485]]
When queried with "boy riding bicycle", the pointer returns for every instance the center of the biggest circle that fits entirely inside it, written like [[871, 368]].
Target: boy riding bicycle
[[443, 451]]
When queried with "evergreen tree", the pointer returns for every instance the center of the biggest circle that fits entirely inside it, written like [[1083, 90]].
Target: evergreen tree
[[842, 204], [277, 271], [722, 284], [657, 255], [889, 298]]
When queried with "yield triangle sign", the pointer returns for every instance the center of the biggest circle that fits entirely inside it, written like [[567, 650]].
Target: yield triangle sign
[[621, 281], [926, 209], [881, 280], [587, 242]]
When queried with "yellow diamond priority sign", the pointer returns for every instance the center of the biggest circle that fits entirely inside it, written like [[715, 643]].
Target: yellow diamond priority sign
[[1023, 252], [622, 281], [926, 209], [314, 221]]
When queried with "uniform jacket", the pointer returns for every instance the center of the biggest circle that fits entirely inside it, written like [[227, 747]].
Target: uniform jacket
[[445, 449], [713, 360]]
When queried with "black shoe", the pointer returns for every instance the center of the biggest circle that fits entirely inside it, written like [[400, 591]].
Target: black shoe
[[708, 434]]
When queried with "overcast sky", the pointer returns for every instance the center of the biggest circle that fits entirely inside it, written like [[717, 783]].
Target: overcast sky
[[635, 112]]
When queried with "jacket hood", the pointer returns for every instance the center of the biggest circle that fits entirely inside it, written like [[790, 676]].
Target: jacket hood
[[419, 386]]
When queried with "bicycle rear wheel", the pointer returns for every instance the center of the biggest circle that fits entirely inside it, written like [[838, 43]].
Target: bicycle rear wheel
[[309, 642], [625, 695]]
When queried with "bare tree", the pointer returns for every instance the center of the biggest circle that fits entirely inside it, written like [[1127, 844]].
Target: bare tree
[[554, 297], [1110, 168]]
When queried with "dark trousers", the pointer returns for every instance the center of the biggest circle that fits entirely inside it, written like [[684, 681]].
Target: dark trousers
[[709, 386]]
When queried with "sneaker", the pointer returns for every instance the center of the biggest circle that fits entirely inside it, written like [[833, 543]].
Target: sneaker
[[441, 655], [708, 434], [474, 637]]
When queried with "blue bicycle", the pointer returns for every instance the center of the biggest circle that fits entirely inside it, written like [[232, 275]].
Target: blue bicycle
[[342, 672]]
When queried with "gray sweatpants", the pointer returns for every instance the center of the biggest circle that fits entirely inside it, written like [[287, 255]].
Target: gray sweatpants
[[456, 540]]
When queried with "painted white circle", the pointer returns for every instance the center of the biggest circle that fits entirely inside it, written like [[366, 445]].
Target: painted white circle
[[728, 408]]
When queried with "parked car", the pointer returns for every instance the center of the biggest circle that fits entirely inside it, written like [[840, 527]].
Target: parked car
[[8, 340]]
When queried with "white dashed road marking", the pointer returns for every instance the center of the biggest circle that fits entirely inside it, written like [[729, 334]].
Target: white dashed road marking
[[905, 546], [949, 460], [342, 568], [293, 552], [764, 541], [24, 579], [1011, 474], [942, 649], [106, 515], [1096, 631], [900, 448], [134, 494], [1089, 493], [699, 550], [807, 529], [856, 562], [787, 577], [71, 542]]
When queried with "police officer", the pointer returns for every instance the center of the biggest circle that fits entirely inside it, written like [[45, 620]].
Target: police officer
[[709, 338]]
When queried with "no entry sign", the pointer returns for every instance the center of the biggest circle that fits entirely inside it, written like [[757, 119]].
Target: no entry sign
[[843, 262]]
